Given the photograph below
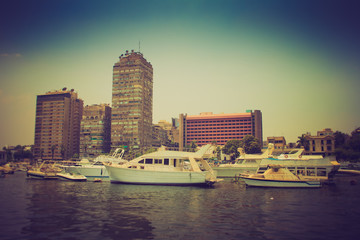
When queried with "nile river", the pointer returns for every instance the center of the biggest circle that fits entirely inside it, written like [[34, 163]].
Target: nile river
[[37, 209]]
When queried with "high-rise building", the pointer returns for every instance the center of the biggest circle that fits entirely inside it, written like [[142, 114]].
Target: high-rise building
[[57, 124], [132, 101], [208, 127], [95, 132]]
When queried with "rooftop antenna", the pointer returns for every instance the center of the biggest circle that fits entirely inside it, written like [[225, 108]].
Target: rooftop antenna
[[139, 46]]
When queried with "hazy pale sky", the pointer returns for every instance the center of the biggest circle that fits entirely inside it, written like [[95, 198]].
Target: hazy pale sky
[[296, 61]]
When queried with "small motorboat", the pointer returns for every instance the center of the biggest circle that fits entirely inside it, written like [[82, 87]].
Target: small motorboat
[[46, 171], [281, 177], [71, 176]]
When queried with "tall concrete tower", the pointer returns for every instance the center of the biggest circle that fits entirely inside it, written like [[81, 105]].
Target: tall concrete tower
[[132, 101], [57, 124]]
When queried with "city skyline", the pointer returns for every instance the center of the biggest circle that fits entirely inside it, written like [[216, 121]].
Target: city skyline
[[296, 62]]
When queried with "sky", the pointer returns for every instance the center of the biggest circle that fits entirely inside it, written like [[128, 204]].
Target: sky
[[296, 61]]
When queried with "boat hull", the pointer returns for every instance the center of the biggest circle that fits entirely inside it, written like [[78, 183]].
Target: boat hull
[[41, 175], [146, 177], [69, 177], [89, 171], [231, 172], [257, 182]]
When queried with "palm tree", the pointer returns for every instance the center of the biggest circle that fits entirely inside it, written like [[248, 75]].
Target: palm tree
[[41, 153], [302, 142], [53, 147], [63, 151]]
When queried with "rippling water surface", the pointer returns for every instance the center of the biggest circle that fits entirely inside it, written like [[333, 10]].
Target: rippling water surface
[[36, 209]]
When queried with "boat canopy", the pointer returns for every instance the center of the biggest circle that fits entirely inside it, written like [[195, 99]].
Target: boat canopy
[[277, 172]]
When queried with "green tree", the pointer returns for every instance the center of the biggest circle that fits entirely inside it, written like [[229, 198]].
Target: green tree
[[19, 152], [354, 141], [193, 146], [28, 154], [340, 139], [347, 148], [218, 153], [251, 144], [231, 148]]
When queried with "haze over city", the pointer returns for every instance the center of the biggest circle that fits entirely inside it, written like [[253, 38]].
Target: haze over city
[[297, 62]]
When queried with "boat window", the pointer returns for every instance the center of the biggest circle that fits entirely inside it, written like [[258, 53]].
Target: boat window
[[310, 171], [166, 161], [261, 169], [292, 169], [158, 161], [301, 170], [141, 161], [148, 161], [321, 172]]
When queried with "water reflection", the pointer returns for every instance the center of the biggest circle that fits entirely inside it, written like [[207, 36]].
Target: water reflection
[[82, 210], [35, 209]]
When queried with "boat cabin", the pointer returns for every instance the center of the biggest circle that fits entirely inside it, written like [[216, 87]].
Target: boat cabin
[[157, 163]]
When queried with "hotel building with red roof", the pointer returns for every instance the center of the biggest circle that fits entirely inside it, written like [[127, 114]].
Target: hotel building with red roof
[[208, 127]]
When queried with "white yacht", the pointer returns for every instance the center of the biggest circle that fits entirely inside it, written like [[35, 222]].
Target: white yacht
[[97, 168], [245, 163], [165, 168], [297, 154], [250, 163]]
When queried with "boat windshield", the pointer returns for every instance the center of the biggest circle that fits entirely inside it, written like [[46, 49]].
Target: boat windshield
[[98, 163]]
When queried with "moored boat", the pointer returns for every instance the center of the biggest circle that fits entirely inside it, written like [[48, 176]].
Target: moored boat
[[7, 169], [45, 171], [164, 168], [323, 169], [308, 165], [280, 177], [97, 168], [245, 163]]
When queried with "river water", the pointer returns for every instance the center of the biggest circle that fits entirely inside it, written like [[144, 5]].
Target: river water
[[54, 209]]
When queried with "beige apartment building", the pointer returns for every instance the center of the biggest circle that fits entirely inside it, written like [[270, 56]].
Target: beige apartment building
[[159, 136], [132, 101], [95, 132], [57, 125], [323, 143], [279, 142]]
